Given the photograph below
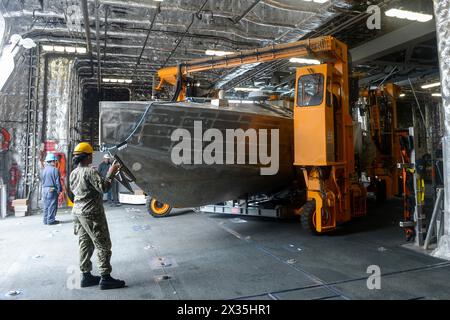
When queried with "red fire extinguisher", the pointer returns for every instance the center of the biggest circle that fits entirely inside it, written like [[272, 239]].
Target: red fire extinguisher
[[6, 139], [14, 176]]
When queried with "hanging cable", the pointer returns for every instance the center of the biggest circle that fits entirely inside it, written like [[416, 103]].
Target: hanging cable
[[139, 123], [179, 85]]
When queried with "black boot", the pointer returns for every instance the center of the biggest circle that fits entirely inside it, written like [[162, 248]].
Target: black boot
[[88, 280], [108, 282]]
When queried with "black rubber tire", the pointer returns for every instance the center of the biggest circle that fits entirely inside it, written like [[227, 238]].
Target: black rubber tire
[[155, 214], [306, 218]]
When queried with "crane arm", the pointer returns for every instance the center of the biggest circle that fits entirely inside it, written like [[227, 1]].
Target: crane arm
[[322, 48]]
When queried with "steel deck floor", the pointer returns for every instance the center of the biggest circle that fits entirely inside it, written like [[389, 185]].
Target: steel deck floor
[[221, 257]]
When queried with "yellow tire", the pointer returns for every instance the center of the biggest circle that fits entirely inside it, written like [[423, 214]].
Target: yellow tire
[[158, 209]]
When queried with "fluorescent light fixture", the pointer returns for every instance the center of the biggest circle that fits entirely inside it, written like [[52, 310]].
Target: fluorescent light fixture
[[117, 80], [247, 89], [437, 95], [240, 101], [59, 48], [47, 48], [408, 15], [218, 53], [81, 50], [304, 61], [402, 95], [431, 85], [67, 49], [316, 1]]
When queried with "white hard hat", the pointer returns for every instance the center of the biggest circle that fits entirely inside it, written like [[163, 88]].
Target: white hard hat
[[106, 156]]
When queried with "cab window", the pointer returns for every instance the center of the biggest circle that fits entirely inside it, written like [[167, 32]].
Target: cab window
[[310, 90]]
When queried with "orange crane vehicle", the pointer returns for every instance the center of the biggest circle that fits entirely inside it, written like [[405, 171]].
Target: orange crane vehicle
[[385, 136], [323, 125]]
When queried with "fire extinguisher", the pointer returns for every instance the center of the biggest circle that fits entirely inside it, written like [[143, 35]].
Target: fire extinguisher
[[6, 139], [14, 176]]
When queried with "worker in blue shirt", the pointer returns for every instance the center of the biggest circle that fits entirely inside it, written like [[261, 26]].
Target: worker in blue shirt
[[51, 188], [103, 170]]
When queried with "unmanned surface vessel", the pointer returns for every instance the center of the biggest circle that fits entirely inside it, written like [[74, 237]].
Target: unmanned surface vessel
[[139, 133]]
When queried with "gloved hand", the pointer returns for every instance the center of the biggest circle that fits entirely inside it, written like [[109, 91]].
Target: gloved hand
[[113, 169]]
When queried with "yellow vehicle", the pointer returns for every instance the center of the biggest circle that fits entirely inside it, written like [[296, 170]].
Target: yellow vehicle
[[323, 125], [385, 137]]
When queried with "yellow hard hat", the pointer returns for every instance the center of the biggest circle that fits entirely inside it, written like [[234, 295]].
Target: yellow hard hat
[[83, 147]]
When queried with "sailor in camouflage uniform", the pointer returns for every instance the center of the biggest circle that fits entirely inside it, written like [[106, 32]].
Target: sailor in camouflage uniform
[[89, 217]]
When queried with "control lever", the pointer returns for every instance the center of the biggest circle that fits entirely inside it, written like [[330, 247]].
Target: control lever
[[124, 175]]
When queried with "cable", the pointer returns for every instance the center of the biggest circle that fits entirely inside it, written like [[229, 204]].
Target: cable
[[123, 144], [179, 85]]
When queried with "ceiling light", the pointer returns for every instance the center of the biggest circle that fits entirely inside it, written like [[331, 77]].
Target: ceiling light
[[431, 85], [47, 48], [218, 53], [240, 101], [402, 95], [436, 95], [28, 43], [59, 48], [117, 80], [409, 15], [68, 49], [247, 89], [304, 61], [81, 50], [320, 1]]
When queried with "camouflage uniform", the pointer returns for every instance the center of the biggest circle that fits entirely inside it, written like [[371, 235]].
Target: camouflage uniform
[[89, 218]]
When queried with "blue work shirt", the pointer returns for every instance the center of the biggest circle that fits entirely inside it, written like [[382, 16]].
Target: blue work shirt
[[50, 178]]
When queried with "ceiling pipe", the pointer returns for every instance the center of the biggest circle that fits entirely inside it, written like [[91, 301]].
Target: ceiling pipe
[[146, 5], [43, 29], [246, 12], [185, 32], [97, 34], [157, 12], [105, 68], [87, 29], [55, 15], [106, 31]]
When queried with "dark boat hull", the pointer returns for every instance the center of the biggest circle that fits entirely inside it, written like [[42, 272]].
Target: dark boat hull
[[148, 152]]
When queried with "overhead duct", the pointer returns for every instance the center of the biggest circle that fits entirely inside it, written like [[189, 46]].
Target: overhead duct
[[442, 15], [87, 29]]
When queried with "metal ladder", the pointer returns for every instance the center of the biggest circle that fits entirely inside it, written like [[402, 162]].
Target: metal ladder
[[31, 172]]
